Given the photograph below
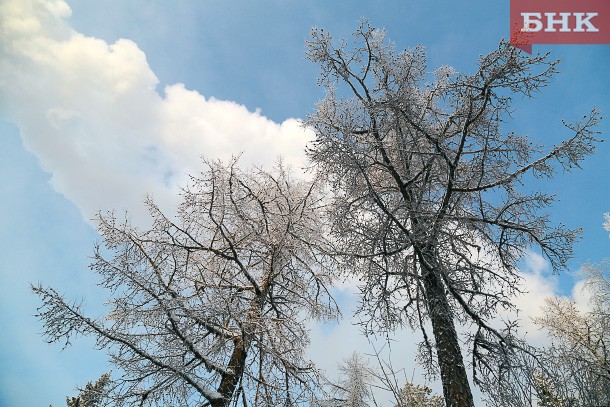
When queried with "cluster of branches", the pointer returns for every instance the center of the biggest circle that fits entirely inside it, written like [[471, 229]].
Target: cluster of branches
[[93, 395], [574, 370], [210, 309], [577, 364], [360, 385], [425, 205]]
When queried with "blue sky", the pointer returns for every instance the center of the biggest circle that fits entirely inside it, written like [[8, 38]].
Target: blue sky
[[102, 102]]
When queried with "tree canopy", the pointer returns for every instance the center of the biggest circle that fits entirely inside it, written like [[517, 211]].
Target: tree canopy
[[210, 308]]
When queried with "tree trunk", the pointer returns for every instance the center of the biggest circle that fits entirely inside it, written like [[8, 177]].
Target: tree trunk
[[456, 388], [228, 382]]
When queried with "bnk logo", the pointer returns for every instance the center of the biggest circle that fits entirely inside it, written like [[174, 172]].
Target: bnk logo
[[559, 22]]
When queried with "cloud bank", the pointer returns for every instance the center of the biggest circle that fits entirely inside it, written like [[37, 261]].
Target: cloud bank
[[90, 112]]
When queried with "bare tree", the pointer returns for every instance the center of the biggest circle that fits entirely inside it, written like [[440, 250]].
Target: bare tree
[[520, 380], [427, 208], [209, 309], [92, 395], [414, 395], [356, 382]]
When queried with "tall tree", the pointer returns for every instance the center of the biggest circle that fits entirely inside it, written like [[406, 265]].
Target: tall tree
[[427, 207], [209, 309], [356, 382]]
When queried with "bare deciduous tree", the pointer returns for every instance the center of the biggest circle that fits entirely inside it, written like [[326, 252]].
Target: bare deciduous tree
[[92, 395], [574, 370], [518, 381], [414, 395], [428, 208], [356, 381], [209, 309]]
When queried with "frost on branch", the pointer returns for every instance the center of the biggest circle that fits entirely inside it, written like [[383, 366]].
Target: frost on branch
[[92, 395]]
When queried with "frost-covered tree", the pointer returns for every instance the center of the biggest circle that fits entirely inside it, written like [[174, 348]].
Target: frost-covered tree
[[209, 308], [355, 383], [92, 395], [519, 382], [414, 395], [429, 208]]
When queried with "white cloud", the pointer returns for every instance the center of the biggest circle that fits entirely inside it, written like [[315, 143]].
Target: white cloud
[[91, 114], [537, 286], [582, 297]]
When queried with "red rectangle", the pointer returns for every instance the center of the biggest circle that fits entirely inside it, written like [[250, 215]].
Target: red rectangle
[[559, 22]]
